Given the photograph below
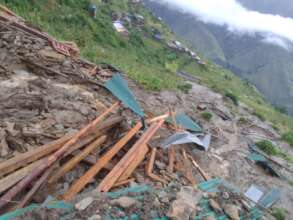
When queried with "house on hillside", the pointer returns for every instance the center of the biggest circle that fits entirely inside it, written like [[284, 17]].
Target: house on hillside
[[119, 27]]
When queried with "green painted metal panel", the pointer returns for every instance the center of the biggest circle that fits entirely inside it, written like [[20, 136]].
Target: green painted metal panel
[[119, 88], [256, 157], [20, 212], [186, 122], [270, 198]]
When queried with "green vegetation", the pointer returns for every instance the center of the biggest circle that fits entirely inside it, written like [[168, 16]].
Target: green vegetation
[[149, 62], [233, 97], [279, 213], [288, 137], [260, 116], [206, 116], [185, 87], [242, 120], [269, 148]]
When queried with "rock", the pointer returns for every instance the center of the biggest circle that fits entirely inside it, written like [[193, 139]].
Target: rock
[[95, 217], [48, 53], [160, 165], [185, 204], [215, 206], [225, 195], [201, 107], [180, 210], [83, 204], [232, 211], [124, 202]]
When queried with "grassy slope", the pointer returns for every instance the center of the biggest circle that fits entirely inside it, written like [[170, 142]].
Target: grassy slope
[[147, 61]]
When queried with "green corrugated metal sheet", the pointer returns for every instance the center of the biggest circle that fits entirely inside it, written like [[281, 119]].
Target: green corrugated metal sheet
[[186, 122], [119, 88], [256, 157], [270, 198], [54, 205]]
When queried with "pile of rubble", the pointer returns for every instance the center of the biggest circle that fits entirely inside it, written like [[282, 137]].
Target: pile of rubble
[[72, 130], [46, 148]]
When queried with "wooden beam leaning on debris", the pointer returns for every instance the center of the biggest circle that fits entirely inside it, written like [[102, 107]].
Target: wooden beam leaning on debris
[[35, 188], [124, 182], [117, 171], [202, 172], [12, 179], [94, 170], [150, 166], [75, 160], [47, 162], [134, 164], [21, 160]]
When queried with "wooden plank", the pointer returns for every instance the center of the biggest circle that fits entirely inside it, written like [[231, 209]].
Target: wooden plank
[[35, 188], [202, 172], [94, 170], [171, 156], [21, 160], [75, 160], [12, 179], [134, 164], [150, 166], [47, 162], [112, 177], [124, 182]]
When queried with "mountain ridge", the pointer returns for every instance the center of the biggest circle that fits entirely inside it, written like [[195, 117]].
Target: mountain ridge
[[268, 67]]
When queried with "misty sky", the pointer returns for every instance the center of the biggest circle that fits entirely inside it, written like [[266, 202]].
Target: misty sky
[[274, 28]]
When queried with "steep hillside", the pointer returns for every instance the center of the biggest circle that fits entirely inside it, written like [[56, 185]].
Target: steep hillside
[[150, 62], [267, 66]]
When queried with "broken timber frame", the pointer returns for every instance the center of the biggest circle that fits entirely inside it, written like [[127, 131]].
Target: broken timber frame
[[75, 160], [49, 161], [150, 166], [118, 170], [44, 150], [94, 170]]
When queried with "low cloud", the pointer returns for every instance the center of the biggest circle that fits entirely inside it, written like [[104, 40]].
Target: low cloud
[[275, 29]]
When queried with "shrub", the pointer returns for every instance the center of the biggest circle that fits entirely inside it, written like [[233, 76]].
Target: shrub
[[207, 116], [260, 116], [233, 97], [268, 147], [288, 137], [185, 87], [279, 213], [242, 120]]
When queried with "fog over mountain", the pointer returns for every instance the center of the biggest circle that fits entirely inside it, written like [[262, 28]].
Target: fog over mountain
[[251, 38], [236, 18]]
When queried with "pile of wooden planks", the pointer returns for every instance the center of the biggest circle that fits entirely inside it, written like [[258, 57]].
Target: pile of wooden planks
[[23, 175]]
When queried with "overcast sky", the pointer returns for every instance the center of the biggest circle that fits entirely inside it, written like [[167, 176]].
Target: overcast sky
[[274, 28]]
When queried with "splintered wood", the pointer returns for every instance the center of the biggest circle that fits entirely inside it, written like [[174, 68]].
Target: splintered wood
[[48, 161]]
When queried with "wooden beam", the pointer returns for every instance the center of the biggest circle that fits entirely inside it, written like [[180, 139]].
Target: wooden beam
[[112, 177], [124, 182], [35, 188], [150, 166], [94, 170], [47, 162], [21, 160], [12, 179], [134, 164], [202, 172], [75, 160], [171, 156]]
